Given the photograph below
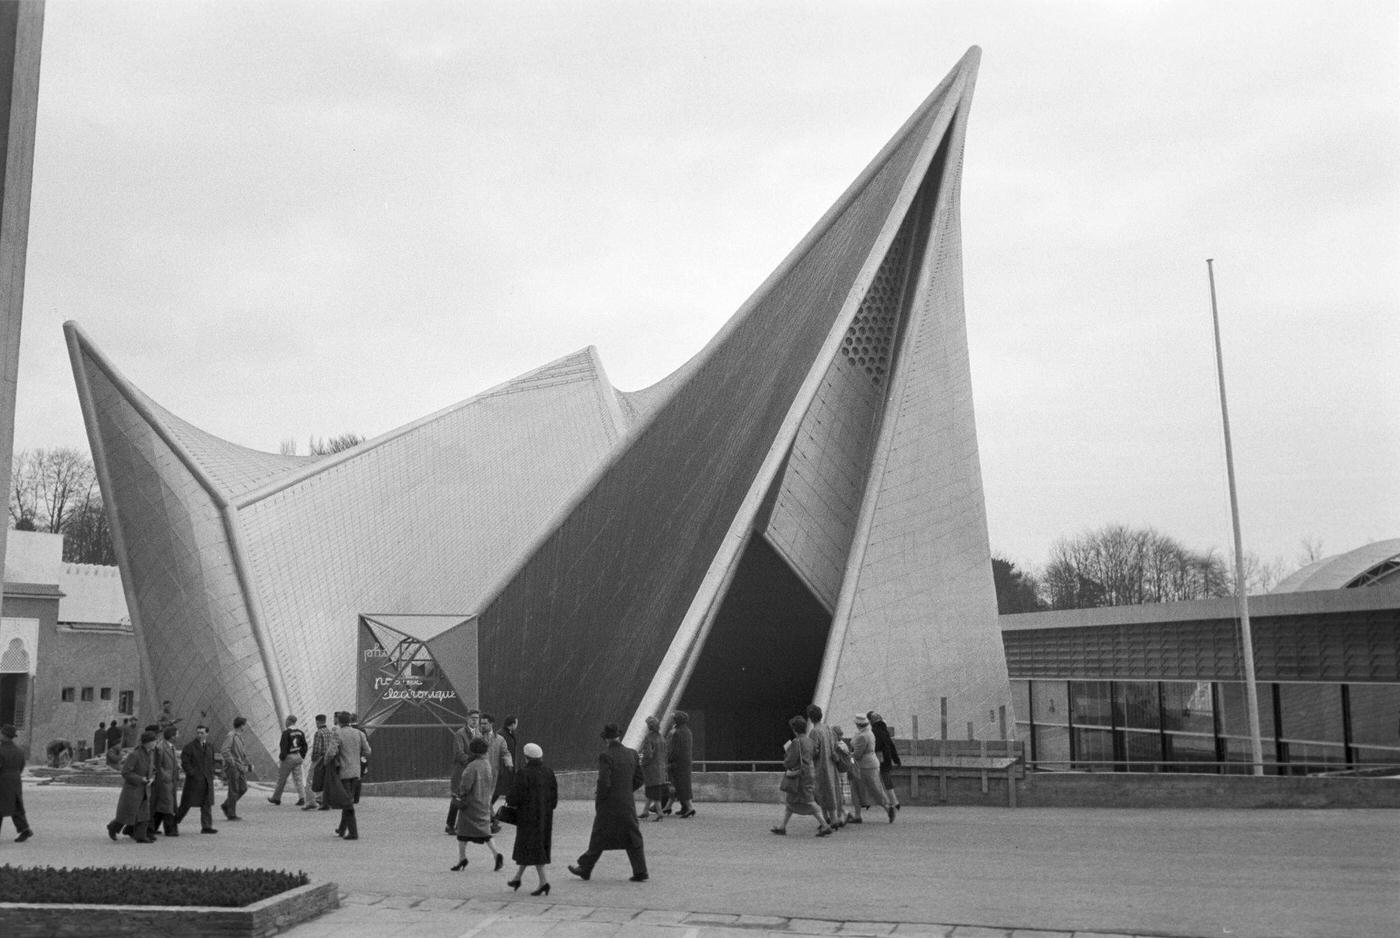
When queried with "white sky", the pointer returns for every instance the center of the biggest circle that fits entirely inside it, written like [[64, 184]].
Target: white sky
[[294, 219]]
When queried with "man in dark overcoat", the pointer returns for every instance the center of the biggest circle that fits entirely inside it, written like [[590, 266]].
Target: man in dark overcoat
[[679, 746], [11, 795], [134, 804], [167, 782], [197, 759], [615, 810]]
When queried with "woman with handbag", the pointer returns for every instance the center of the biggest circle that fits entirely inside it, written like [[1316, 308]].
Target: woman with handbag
[[799, 795], [534, 796], [474, 791], [652, 754]]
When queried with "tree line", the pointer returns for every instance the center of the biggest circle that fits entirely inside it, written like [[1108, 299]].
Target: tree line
[[1119, 565]]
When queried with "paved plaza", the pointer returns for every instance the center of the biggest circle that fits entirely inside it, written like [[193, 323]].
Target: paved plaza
[[1028, 873]]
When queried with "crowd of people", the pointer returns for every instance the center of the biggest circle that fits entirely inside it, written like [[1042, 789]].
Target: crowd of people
[[822, 773], [825, 776]]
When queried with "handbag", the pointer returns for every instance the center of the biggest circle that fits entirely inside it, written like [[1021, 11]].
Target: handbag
[[318, 776], [789, 783], [508, 814]]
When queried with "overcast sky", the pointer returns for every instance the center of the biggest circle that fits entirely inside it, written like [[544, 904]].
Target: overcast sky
[[293, 219]]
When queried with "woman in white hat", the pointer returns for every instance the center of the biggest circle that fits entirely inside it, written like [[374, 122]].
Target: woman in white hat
[[534, 795]]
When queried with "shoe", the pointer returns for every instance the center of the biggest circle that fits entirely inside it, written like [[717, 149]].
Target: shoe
[[514, 884], [235, 817], [849, 818], [644, 815], [208, 830], [227, 813], [310, 807], [495, 827], [690, 813], [639, 878], [276, 801], [172, 833], [500, 862], [778, 830], [147, 840], [340, 832], [113, 830], [667, 810], [542, 891], [24, 835], [854, 820], [324, 807], [890, 812], [580, 872], [459, 865], [825, 832], [352, 837], [300, 802], [450, 830]]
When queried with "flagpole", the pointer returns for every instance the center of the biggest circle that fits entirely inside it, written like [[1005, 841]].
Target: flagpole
[[1251, 694]]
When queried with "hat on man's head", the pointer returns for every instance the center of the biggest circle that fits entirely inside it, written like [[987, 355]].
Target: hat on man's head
[[533, 751], [148, 737], [875, 717], [862, 720], [611, 731]]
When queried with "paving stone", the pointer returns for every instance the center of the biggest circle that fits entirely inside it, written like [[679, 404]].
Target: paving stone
[[661, 917], [1100, 934], [813, 926], [922, 929], [400, 902], [1033, 933], [867, 928], [612, 915], [484, 905], [762, 921], [361, 898], [977, 931], [710, 918], [567, 912], [437, 904], [515, 928]]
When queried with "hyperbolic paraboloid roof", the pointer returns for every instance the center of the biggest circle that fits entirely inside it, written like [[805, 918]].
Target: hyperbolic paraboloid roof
[[592, 533]]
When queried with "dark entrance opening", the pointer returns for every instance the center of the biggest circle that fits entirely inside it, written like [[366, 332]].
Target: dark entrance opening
[[759, 665]]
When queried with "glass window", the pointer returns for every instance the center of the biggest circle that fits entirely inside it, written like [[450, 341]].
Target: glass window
[[1051, 746], [1234, 718], [1050, 705], [1136, 705], [1021, 700], [1311, 712], [1375, 714], [1092, 704], [1187, 707], [1238, 750], [1190, 748], [87, 694], [67, 695], [105, 693], [1142, 747], [126, 703], [1093, 749]]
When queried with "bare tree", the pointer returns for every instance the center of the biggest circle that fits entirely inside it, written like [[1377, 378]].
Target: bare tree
[[56, 491], [1118, 565], [319, 447], [1310, 550]]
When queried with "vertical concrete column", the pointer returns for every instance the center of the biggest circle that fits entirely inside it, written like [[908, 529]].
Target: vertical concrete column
[[21, 31]]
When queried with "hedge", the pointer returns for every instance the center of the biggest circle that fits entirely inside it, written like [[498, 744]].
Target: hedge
[[144, 885]]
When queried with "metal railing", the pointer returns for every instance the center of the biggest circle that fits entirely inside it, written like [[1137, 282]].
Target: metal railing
[[739, 765], [1199, 767]]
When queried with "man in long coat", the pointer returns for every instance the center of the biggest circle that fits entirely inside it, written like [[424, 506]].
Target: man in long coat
[[827, 783], [197, 760], [11, 768], [134, 803], [679, 748], [615, 810], [167, 780], [461, 755]]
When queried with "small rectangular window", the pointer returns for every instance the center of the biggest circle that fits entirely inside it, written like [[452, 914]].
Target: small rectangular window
[[126, 703], [67, 695], [87, 694], [105, 693]]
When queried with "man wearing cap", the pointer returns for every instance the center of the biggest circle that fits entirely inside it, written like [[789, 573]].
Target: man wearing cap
[[615, 809], [867, 769], [11, 796]]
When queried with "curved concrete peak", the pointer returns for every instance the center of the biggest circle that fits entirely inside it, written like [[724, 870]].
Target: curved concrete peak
[[230, 469]]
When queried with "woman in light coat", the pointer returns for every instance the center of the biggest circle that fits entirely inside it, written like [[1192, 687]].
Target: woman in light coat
[[653, 758], [798, 781], [475, 789]]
